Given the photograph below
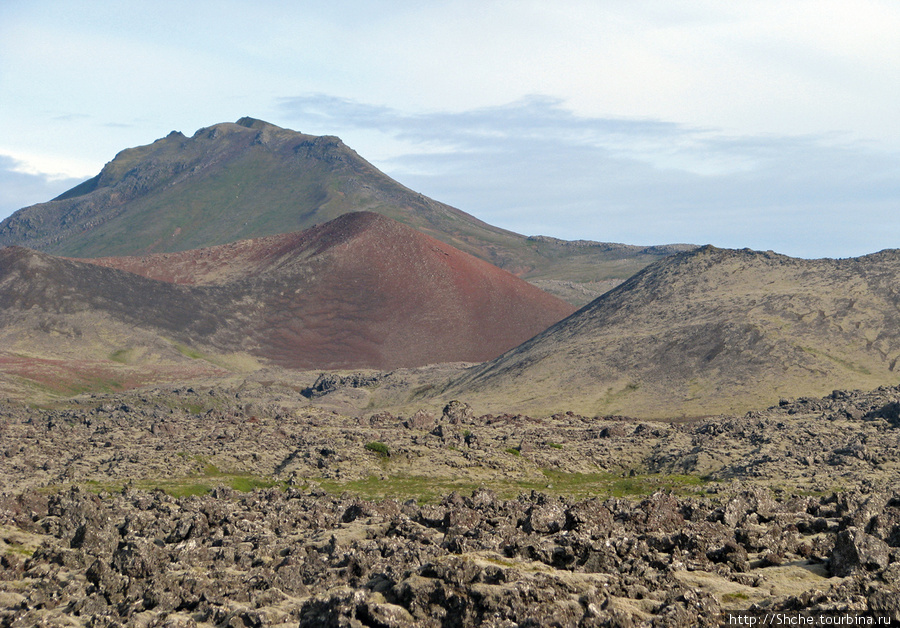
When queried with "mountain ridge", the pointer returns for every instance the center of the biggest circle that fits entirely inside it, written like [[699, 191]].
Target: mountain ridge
[[234, 181]]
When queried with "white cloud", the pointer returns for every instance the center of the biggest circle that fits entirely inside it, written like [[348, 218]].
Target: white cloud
[[20, 188], [48, 166]]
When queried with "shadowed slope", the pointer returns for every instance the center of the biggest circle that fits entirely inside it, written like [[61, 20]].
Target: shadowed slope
[[234, 181], [707, 332], [36, 282], [359, 291]]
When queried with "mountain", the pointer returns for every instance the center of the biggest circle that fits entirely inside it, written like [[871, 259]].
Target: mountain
[[361, 291], [230, 182], [706, 332]]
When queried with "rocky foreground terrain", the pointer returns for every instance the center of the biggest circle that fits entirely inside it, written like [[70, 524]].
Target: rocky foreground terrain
[[253, 507]]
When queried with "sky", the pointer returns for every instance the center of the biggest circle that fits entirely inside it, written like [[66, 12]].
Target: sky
[[753, 123]]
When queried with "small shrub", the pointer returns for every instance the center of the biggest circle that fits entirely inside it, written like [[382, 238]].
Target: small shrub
[[513, 451], [555, 446], [379, 448]]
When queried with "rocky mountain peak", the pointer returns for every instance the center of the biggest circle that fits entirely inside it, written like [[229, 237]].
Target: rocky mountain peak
[[257, 124]]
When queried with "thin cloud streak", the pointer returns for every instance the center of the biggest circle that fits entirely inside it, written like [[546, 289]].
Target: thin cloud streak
[[524, 164]]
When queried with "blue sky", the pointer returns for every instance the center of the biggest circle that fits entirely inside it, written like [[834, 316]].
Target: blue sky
[[761, 124]]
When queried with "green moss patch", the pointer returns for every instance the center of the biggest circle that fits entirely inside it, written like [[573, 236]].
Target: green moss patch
[[553, 482], [379, 448]]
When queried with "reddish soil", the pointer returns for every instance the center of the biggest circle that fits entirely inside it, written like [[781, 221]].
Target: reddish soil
[[359, 291], [378, 292]]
